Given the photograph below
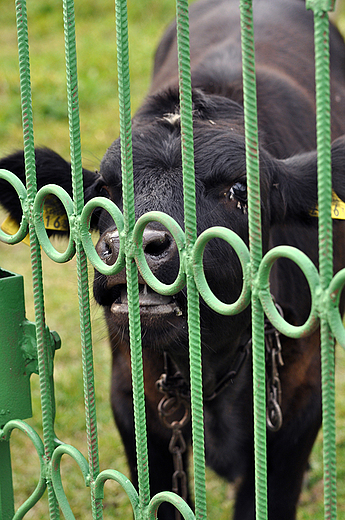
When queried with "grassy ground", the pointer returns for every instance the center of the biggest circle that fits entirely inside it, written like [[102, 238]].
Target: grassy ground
[[99, 126]]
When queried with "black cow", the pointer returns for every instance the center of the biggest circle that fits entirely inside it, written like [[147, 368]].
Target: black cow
[[286, 115]]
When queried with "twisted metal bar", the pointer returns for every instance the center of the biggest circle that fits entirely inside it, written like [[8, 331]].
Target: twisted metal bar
[[131, 268], [255, 244], [43, 350], [82, 271], [187, 150], [323, 134]]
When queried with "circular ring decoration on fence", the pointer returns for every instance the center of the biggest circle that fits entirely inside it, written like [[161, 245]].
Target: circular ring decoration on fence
[[38, 445], [172, 498], [243, 254], [22, 194], [125, 483], [65, 199], [85, 218], [334, 317], [56, 475], [312, 276], [179, 237]]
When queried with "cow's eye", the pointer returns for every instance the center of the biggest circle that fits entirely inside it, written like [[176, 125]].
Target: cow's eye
[[238, 193], [104, 192]]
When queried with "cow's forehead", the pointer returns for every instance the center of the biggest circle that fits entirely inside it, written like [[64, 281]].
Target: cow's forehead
[[219, 152]]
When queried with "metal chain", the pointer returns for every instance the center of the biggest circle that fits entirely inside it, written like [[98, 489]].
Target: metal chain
[[274, 360], [175, 399]]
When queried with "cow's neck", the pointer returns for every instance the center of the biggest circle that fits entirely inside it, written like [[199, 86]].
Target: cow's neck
[[238, 361]]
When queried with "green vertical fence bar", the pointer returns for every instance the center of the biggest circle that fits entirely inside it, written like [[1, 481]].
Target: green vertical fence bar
[[82, 272], [131, 269], [187, 151], [323, 132], [42, 338], [255, 245]]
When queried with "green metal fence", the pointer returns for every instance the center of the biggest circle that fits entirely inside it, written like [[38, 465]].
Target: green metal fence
[[40, 345]]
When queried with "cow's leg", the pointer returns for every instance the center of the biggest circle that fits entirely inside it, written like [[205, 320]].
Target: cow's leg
[[287, 460], [245, 497], [161, 465]]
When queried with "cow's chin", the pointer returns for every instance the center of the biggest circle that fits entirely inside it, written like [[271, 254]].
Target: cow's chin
[[162, 318], [151, 303]]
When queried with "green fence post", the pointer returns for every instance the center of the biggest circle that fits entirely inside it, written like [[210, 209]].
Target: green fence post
[[15, 397], [6, 486]]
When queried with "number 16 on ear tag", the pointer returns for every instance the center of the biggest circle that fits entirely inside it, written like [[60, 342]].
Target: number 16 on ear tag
[[54, 218], [53, 215], [337, 208]]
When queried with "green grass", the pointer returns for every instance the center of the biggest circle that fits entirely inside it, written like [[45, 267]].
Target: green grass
[[96, 46], [99, 126]]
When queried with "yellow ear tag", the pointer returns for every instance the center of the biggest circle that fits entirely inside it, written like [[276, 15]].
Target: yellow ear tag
[[337, 208], [52, 217], [11, 226]]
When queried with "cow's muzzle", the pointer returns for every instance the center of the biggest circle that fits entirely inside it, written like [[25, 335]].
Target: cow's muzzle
[[162, 258]]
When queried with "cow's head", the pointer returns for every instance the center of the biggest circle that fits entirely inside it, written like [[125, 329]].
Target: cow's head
[[288, 193]]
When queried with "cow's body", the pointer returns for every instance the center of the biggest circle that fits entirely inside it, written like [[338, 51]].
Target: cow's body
[[286, 115]]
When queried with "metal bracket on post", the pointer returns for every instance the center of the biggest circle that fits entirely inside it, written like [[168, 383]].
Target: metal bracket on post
[[18, 360]]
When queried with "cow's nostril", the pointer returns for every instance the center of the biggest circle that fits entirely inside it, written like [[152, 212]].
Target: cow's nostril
[[108, 247], [158, 245], [106, 250], [161, 254]]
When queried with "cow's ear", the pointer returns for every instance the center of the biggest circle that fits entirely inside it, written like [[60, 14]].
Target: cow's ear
[[51, 168], [293, 184]]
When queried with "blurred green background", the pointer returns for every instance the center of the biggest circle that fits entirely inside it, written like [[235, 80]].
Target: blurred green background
[[99, 121]]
